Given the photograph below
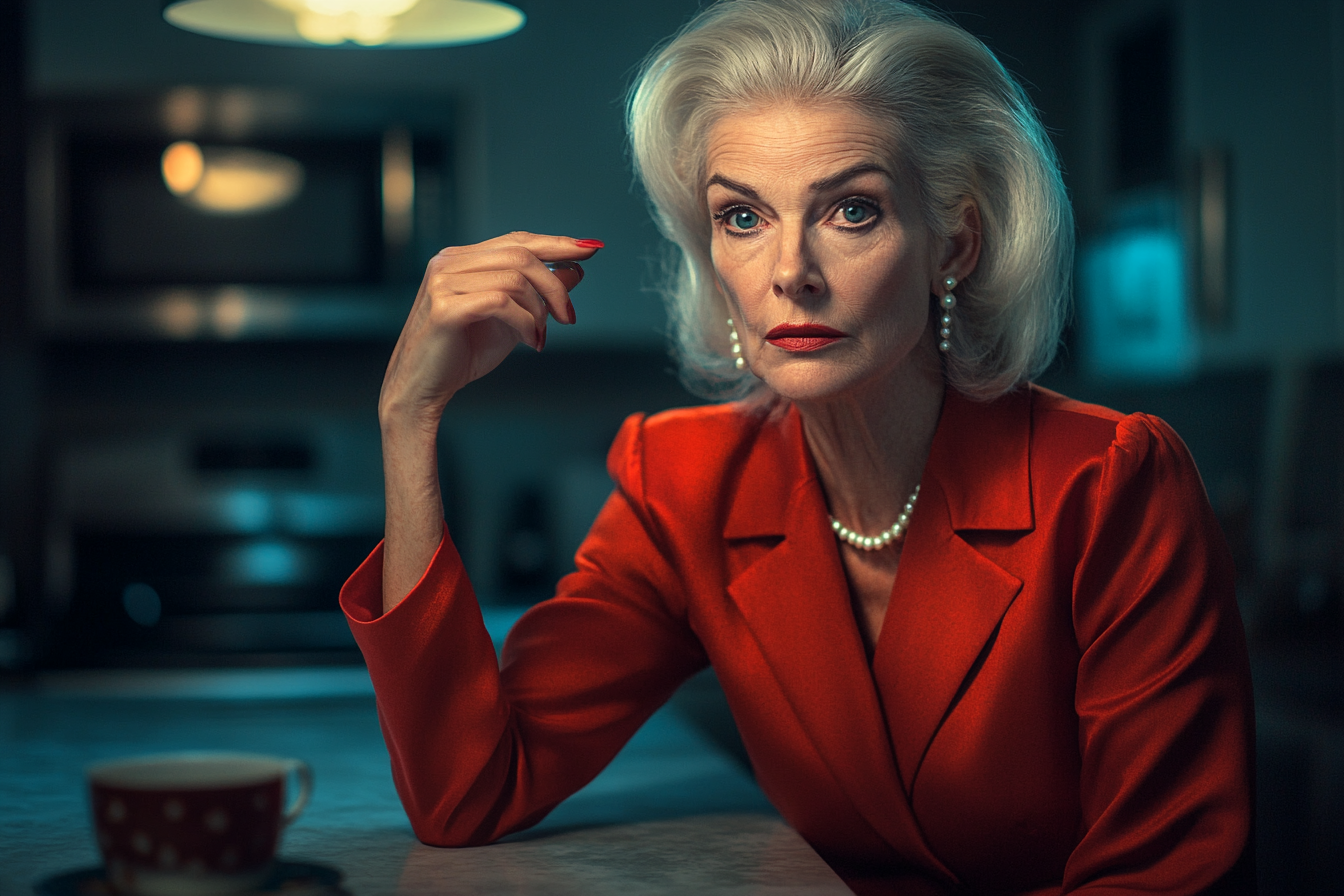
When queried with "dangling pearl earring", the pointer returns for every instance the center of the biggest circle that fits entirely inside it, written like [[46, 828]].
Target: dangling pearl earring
[[947, 303], [738, 361]]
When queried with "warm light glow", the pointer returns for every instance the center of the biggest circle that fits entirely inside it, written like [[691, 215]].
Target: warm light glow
[[360, 7], [184, 111], [368, 22], [183, 166], [243, 181], [398, 186], [225, 180], [230, 313], [394, 23], [322, 29], [178, 314]]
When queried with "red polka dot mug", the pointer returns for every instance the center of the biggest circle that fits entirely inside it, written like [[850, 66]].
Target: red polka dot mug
[[192, 824]]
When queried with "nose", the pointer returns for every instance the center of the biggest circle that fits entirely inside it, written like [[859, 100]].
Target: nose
[[797, 275]]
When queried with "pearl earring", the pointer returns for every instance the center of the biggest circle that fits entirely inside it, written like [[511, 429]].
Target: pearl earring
[[946, 303], [738, 361]]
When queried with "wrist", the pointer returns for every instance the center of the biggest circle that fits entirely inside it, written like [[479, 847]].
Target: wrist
[[404, 426]]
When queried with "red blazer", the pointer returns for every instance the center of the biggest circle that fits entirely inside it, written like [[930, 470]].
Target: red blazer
[[1059, 701]]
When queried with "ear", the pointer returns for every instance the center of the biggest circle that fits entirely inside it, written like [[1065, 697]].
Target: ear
[[961, 250]]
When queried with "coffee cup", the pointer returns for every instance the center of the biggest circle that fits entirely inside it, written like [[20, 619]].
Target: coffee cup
[[192, 824]]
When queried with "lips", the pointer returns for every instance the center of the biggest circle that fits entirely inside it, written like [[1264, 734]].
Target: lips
[[803, 337]]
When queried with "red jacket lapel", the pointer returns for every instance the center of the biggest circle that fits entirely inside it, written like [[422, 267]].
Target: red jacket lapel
[[946, 605], [795, 601], [949, 599]]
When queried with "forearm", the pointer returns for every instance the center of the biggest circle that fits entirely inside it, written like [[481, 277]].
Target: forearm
[[414, 523], [477, 752], [474, 305]]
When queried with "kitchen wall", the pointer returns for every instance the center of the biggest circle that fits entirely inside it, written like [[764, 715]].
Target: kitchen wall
[[540, 148], [542, 124], [543, 146]]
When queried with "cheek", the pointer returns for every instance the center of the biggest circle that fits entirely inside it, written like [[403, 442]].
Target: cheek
[[734, 275], [897, 305]]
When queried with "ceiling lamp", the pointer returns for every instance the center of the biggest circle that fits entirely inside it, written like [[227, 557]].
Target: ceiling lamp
[[369, 23]]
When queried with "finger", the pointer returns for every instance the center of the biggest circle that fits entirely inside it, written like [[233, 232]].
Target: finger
[[495, 305], [497, 252], [549, 247], [552, 290], [553, 287], [525, 252], [517, 285], [570, 274]]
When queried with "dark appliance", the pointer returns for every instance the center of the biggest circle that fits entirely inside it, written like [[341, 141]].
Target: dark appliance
[[235, 213]]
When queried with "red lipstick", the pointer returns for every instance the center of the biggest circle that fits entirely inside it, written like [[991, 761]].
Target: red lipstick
[[803, 337]]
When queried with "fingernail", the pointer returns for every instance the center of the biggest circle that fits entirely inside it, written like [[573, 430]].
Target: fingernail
[[541, 338], [590, 244], [573, 316]]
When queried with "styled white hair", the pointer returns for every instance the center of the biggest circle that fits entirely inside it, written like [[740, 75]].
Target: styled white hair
[[965, 131]]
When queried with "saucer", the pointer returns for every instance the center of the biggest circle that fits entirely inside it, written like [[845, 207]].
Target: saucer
[[286, 879]]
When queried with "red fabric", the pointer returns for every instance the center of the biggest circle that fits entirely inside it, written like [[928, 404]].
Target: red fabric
[[1059, 700]]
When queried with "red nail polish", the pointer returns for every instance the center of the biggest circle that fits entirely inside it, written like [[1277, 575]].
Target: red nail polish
[[590, 244], [541, 338], [573, 315]]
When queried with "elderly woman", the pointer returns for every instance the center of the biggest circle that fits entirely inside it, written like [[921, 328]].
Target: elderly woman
[[977, 637]]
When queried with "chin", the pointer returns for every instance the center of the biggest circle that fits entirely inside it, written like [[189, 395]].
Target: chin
[[822, 376], [811, 379]]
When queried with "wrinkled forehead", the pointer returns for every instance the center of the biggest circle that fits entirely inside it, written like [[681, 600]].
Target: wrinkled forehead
[[801, 146], [787, 133]]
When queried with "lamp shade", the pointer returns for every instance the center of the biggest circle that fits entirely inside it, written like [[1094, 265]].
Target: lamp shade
[[371, 23]]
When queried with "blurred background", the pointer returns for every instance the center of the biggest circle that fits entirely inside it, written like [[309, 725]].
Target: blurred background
[[189, 368]]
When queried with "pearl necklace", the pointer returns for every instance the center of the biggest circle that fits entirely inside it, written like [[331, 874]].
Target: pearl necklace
[[877, 542]]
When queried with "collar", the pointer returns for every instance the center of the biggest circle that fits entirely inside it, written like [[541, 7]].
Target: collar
[[979, 459]]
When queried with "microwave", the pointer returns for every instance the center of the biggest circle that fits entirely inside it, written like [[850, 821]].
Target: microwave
[[232, 213]]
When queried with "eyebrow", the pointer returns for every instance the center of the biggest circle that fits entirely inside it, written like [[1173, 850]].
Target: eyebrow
[[732, 185], [821, 186], [842, 177]]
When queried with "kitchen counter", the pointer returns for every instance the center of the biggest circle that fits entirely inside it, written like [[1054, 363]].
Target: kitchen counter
[[671, 814]]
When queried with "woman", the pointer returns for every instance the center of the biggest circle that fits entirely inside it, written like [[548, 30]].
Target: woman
[[976, 636]]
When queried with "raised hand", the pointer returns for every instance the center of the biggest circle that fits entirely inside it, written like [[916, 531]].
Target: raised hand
[[474, 305]]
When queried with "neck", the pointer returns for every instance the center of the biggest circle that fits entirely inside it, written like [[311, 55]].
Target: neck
[[870, 444]]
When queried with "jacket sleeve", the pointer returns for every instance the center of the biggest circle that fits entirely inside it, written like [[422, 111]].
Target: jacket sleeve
[[480, 748], [1163, 694]]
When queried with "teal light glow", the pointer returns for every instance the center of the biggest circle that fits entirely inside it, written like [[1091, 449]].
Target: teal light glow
[[265, 562], [1134, 305]]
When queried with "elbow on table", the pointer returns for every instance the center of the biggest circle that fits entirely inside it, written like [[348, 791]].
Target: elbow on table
[[450, 827], [452, 839], [455, 829]]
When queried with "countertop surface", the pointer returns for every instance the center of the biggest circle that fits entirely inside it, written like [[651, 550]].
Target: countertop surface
[[671, 814]]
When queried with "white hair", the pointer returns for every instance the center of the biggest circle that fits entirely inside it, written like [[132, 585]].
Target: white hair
[[965, 130]]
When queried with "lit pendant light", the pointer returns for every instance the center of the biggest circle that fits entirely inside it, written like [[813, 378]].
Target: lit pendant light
[[370, 23]]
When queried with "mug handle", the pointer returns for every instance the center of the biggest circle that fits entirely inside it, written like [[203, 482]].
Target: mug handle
[[305, 775]]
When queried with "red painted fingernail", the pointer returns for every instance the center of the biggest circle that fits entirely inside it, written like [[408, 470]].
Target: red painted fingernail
[[541, 338], [573, 316], [590, 244]]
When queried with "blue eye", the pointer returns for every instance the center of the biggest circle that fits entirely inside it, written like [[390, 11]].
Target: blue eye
[[744, 220], [855, 213]]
